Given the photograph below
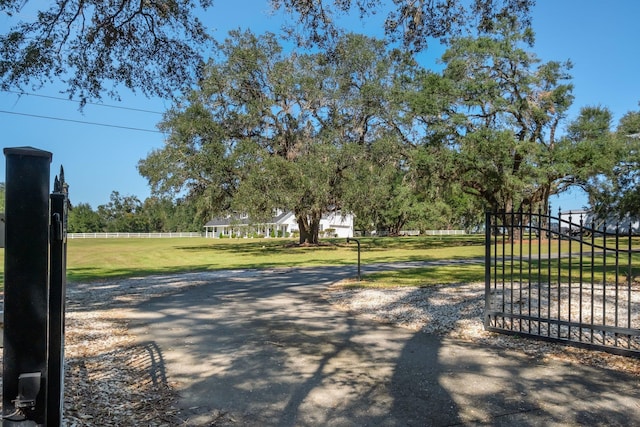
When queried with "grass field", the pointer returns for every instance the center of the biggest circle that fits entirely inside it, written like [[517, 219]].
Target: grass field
[[94, 259], [99, 259]]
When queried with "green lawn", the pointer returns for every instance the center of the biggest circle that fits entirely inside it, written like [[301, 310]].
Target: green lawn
[[98, 259], [94, 259], [422, 276]]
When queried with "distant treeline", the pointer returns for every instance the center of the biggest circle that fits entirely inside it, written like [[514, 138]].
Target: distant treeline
[[129, 214]]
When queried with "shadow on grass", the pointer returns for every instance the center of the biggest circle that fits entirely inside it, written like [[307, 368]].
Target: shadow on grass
[[258, 247], [421, 243], [423, 276], [367, 243], [98, 274]]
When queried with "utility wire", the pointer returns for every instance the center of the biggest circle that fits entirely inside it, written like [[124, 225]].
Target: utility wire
[[80, 121], [58, 98]]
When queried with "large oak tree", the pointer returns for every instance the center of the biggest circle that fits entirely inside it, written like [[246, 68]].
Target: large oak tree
[[500, 117], [606, 161], [267, 130]]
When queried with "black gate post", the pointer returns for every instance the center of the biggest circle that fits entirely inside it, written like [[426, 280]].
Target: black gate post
[[488, 227], [57, 292], [26, 286]]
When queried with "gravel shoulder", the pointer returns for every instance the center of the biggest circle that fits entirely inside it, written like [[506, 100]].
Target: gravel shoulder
[[456, 311]]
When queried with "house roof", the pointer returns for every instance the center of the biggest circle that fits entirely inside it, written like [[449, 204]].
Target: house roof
[[284, 215], [218, 222], [237, 220]]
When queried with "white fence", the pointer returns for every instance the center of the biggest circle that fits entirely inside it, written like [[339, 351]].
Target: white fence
[[444, 232], [130, 235], [193, 234]]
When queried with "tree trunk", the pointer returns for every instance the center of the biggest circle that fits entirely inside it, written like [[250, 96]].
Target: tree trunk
[[395, 228], [309, 226], [512, 221]]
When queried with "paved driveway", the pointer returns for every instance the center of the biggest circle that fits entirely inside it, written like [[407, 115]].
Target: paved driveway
[[265, 348]]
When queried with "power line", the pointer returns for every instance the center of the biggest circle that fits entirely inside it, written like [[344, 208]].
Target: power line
[[80, 121], [58, 98]]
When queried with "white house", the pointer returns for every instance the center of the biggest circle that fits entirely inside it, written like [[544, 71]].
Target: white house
[[575, 216], [333, 224], [587, 218]]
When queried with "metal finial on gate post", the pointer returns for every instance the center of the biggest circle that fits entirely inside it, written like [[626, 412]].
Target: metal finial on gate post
[[559, 219], [65, 186], [59, 184]]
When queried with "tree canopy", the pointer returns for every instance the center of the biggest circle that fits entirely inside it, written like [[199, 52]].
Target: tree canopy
[[355, 125], [128, 214], [503, 113], [614, 190], [363, 128], [411, 23], [268, 131], [153, 47], [157, 47]]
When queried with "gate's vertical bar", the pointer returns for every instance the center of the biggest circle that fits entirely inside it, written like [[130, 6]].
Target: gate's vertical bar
[[520, 271], [511, 262], [487, 268], [26, 283], [549, 270], [629, 282], [569, 266], [604, 282], [593, 274], [495, 261], [57, 291], [504, 251], [559, 270], [581, 277], [617, 284], [529, 270], [539, 269]]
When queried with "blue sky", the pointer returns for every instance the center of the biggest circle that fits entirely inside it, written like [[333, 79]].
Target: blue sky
[[600, 40]]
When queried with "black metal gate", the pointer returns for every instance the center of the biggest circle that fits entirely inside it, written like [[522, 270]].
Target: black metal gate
[[568, 278]]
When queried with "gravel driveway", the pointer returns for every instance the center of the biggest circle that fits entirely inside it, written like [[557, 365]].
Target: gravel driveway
[[291, 347], [269, 348]]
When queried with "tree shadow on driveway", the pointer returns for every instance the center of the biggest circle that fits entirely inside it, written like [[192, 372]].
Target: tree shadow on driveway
[[267, 349]]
